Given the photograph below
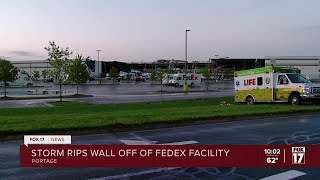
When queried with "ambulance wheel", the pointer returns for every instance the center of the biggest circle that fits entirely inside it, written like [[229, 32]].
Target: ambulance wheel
[[29, 84], [294, 99], [192, 84], [249, 100], [177, 84]]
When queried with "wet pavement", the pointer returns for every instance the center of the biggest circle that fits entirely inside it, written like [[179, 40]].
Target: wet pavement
[[128, 88], [116, 93]]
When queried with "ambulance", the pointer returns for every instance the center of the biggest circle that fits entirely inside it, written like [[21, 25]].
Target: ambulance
[[274, 84]]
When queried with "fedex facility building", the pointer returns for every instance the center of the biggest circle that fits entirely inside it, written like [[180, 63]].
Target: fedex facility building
[[308, 65]]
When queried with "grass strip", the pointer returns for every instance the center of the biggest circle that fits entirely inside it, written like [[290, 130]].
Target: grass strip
[[67, 117]]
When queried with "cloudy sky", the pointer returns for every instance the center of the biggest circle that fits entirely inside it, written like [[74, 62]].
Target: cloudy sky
[[147, 30]]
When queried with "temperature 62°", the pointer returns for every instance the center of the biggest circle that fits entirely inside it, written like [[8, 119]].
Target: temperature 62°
[[272, 160]]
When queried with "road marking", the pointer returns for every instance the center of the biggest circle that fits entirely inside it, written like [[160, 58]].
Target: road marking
[[285, 175], [139, 142], [124, 176], [282, 176], [180, 143], [142, 138]]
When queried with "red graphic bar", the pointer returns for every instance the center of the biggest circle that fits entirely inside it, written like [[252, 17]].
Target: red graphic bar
[[169, 156]]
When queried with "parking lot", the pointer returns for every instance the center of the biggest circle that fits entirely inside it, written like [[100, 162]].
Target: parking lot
[[107, 87], [123, 92]]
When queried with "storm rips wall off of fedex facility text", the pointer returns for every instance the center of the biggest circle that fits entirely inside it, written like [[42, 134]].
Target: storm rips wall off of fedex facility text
[[46, 156], [41, 153]]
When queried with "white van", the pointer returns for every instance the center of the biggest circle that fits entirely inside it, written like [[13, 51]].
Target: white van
[[23, 80], [180, 79], [123, 75], [146, 76]]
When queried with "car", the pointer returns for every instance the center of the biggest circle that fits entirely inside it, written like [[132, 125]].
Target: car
[[92, 78], [48, 80], [137, 79]]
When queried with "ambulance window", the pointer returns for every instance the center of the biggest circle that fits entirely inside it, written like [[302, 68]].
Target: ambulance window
[[260, 82], [282, 79]]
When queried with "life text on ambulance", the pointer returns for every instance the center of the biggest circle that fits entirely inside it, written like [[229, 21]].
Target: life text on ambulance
[[274, 84]]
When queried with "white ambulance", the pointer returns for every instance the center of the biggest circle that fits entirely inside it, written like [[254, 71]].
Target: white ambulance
[[190, 78], [274, 84]]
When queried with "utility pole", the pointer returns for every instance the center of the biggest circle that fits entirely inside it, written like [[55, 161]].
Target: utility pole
[[99, 75], [185, 86], [47, 74], [30, 71]]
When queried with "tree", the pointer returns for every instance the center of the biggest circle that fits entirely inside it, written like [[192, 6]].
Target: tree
[[102, 75], [8, 73], [162, 73], [128, 77], [227, 72], [59, 60], [44, 74], [114, 73], [169, 71], [207, 74], [78, 72], [153, 76], [36, 76]]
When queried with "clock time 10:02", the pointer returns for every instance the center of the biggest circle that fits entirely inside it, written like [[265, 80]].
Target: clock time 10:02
[[272, 151]]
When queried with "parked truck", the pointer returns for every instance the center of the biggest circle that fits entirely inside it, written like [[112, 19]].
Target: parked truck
[[274, 84], [23, 79], [191, 79]]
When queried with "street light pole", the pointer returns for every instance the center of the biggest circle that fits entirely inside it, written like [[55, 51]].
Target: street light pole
[[185, 88], [47, 74], [99, 65], [186, 66]]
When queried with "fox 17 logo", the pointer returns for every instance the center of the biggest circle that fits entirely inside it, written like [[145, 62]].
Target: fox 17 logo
[[298, 155]]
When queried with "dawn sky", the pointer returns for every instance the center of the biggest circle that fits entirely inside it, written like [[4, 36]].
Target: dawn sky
[[147, 30]]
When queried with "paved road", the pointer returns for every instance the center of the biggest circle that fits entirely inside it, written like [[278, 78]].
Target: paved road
[[290, 130]]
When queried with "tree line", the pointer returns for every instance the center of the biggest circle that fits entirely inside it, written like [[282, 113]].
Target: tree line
[[64, 70]]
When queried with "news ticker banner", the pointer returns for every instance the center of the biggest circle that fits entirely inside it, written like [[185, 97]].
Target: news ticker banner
[[169, 156]]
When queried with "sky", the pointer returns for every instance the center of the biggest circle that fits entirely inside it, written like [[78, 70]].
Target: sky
[[148, 30]]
